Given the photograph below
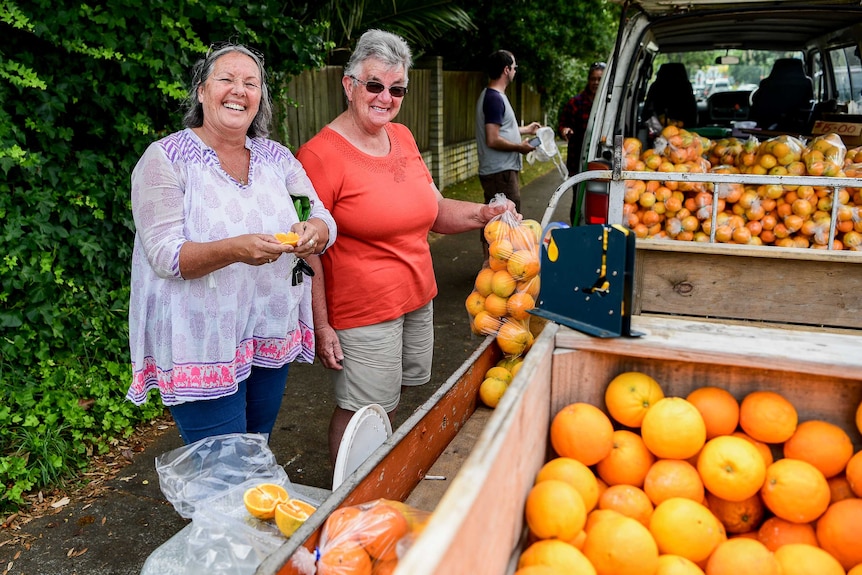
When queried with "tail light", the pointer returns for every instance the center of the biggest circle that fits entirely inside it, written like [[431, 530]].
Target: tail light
[[596, 193]]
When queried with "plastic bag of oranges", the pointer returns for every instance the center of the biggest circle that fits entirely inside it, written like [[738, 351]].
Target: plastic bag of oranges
[[824, 155], [361, 539], [507, 286]]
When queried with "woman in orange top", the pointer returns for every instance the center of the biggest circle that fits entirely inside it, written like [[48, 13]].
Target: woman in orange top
[[373, 300]]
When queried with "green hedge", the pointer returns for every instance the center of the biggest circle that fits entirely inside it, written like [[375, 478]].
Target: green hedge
[[84, 90]]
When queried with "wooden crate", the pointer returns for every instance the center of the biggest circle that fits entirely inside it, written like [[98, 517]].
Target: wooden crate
[[749, 283], [478, 525]]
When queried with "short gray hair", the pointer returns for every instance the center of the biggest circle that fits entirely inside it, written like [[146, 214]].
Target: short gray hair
[[389, 48], [201, 71]]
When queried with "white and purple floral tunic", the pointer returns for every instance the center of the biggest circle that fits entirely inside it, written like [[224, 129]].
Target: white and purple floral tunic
[[196, 339]]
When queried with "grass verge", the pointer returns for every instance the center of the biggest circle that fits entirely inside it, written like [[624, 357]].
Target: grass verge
[[471, 190]]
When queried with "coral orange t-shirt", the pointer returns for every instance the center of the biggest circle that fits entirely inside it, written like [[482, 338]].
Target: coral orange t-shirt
[[380, 266]]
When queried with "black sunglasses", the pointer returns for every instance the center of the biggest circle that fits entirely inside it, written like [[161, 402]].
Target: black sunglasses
[[376, 87], [217, 46]]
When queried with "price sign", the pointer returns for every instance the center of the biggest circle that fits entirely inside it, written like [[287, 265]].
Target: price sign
[[840, 128]]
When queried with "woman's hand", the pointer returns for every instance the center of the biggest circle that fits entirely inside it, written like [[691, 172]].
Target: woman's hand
[[328, 347], [488, 212]]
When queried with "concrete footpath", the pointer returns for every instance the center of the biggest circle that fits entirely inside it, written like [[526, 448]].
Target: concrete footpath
[[113, 532]]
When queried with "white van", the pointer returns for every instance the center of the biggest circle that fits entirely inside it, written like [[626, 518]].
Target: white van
[[813, 47]]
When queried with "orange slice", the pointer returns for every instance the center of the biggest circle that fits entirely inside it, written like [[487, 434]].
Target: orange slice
[[261, 500], [289, 238], [291, 514]]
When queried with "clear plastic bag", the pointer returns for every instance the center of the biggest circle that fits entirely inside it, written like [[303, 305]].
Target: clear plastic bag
[[367, 537], [506, 288], [204, 469]]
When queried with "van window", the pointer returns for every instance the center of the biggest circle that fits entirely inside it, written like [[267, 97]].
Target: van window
[[847, 68]]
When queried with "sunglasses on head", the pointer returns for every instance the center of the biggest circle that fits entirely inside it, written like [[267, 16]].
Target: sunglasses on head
[[598, 66], [376, 87]]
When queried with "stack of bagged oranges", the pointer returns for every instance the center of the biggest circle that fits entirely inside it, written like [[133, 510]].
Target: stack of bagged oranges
[[506, 288], [692, 485], [780, 215]]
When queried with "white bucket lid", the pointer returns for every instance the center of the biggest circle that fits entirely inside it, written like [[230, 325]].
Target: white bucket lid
[[367, 430]]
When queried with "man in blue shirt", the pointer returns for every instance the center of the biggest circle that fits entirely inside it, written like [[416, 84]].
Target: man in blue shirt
[[498, 136]]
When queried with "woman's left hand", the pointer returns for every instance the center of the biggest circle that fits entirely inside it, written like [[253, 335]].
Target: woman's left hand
[[488, 212], [309, 242]]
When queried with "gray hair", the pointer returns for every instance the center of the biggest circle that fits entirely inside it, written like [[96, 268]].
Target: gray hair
[[389, 48], [201, 71]]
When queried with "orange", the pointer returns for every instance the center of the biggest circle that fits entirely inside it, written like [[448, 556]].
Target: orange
[[628, 462], [719, 409], [519, 304], [497, 264], [839, 488], [491, 391], [859, 417], [496, 229], [668, 478], [500, 249], [290, 515], [261, 500], [575, 474], [494, 305], [483, 281], [289, 238], [801, 559], [503, 285], [731, 468], [767, 416], [673, 429], [775, 532], [474, 303], [822, 444], [555, 509], [838, 531], [382, 525], [621, 546], [795, 490], [629, 395], [597, 515], [499, 372], [341, 525], [629, 500], [582, 431], [345, 557], [763, 448], [676, 565], [742, 556], [485, 324], [523, 264], [737, 516], [562, 556], [684, 527], [853, 472], [514, 338], [856, 570]]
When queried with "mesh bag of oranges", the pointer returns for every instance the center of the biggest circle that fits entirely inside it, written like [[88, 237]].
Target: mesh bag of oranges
[[362, 539], [507, 286]]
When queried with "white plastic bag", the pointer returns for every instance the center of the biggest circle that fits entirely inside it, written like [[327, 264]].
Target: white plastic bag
[[207, 468], [547, 151]]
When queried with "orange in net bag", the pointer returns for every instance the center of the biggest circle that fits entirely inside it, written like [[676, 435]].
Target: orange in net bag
[[507, 286], [361, 539]]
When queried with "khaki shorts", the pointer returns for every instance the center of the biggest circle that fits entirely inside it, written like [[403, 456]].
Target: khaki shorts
[[380, 358]]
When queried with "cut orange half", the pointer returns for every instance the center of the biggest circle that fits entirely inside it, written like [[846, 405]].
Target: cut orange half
[[261, 500], [290, 515], [289, 238]]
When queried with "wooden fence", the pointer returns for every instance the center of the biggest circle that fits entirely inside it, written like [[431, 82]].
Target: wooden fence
[[315, 97]]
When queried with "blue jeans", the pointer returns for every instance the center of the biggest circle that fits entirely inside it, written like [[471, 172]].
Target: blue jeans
[[252, 409]]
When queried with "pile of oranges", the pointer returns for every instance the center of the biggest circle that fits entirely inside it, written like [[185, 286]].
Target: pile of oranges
[[367, 539], [780, 215], [701, 484], [506, 288]]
